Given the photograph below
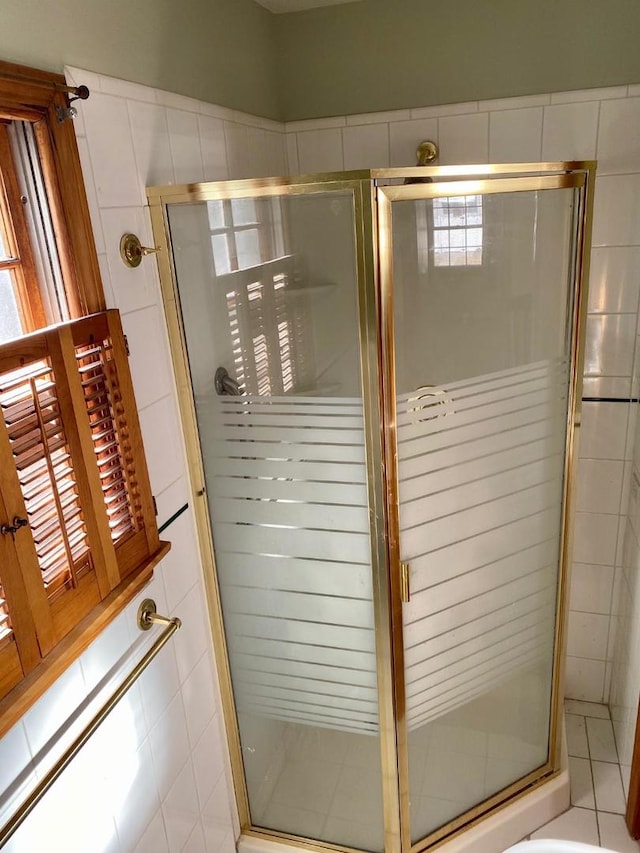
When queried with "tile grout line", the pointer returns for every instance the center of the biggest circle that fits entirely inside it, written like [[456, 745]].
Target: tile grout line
[[593, 781]]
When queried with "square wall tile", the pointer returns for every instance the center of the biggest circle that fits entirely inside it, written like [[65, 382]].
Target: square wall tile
[[618, 139], [125, 89], [614, 280], [181, 809], [209, 757], [152, 151], [92, 199], [293, 164], [238, 161], [463, 139], [591, 588], [104, 652], [212, 146], [405, 136], [587, 635], [154, 839], [616, 214], [169, 746], [149, 361], [194, 637], [515, 136], [137, 804], [584, 679], [181, 569], [603, 430], [320, 151], [199, 697], [274, 147], [171, 500], [599, 485], [366, 146], [608, 387], [111, 146], [569, 131], [609, 345], [17, 776], [132, 288], [184, 139], [196, 843], [163, 443], [159, 684], [595, 537], [52, 710]]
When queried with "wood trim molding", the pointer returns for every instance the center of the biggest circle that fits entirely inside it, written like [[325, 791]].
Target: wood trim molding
[[633, 801], [29, 94]]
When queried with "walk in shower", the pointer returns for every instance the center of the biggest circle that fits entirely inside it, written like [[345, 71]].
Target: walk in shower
[[379, 374]]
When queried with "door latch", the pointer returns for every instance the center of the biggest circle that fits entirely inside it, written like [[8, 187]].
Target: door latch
[[405, 590]]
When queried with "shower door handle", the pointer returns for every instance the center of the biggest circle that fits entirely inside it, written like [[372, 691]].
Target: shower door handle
[[405, 589]]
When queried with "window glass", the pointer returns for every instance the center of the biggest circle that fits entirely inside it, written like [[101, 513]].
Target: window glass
[[10, 325]]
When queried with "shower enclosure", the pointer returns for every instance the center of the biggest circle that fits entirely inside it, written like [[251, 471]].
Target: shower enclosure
[[380, 379]]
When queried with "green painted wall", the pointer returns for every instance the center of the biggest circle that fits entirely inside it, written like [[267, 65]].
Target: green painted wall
[[220, 51], [365, 56], [388, 54]]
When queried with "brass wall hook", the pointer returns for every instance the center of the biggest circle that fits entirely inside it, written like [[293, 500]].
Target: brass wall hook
[[132, 251]]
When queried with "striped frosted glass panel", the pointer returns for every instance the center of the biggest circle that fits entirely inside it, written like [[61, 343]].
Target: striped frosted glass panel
[[288, 497], [481, 465]]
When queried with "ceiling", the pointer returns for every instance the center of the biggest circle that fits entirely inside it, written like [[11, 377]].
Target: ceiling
[[280, 6]]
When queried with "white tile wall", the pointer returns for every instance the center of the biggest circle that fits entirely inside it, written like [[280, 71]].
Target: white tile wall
[[557, 126], [171, 789], [159, 766]]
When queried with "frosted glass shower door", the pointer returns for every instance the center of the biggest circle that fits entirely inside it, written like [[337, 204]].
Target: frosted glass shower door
[[481, 308], [268, 291]]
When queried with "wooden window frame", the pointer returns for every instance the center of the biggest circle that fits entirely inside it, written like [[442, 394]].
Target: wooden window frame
[[28, 94], [38, 97]]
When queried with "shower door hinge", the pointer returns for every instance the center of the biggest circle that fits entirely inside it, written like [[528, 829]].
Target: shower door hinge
[[405, 590]]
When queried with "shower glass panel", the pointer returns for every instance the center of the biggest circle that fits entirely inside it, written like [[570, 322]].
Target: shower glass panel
[[482, 299], [379, 375], [268, 291]]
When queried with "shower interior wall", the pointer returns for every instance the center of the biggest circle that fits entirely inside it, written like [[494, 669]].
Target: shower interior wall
[[131, 137]]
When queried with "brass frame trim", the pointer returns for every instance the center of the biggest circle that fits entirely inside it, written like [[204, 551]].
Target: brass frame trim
[[177, 342], [366, 262], [484, 186], [175, 193], [581, 180], [372, 203]]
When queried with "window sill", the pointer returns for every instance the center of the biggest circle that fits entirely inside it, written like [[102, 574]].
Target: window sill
[[30, 689]]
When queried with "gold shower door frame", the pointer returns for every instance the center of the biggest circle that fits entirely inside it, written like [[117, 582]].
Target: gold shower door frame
[[373, 196]]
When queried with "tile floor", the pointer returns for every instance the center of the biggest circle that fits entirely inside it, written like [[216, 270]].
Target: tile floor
[[598, 802]]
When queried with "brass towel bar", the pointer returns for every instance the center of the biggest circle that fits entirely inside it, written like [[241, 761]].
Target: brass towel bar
[[147, 617]]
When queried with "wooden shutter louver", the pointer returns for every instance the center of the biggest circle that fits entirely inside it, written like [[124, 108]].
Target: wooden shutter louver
[[110, 438], [72, 464], [42, 459], [101, 361]]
